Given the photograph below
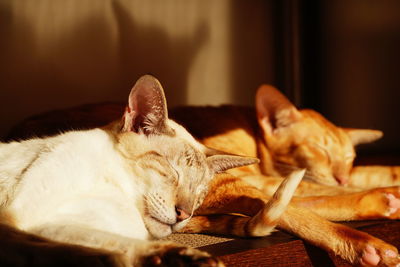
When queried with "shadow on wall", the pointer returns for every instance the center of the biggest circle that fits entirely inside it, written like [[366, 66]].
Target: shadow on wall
[[150, 50], [56, 55], [351, 66], [252, 40]]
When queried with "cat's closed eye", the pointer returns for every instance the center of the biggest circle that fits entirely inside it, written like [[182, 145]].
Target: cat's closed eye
[[323, 151]]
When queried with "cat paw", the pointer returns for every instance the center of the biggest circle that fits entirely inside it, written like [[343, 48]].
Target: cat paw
[[173, 255], [393, 203], [360, 248], [372, 257], [381, 203]]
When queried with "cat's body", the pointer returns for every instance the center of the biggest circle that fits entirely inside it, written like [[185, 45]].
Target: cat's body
[[247, 190], [285, 138], [236, 129], [90, 166]]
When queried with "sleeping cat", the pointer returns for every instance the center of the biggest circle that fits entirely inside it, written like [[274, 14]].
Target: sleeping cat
[[246, 190], [287, 138], [111, 189]]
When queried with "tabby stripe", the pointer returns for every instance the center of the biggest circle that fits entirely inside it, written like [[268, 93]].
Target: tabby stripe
[[151, 153], [394, 173]]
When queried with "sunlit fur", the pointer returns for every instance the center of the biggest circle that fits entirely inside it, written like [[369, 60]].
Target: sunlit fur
[[246, 191], [311, 142], [286, 139], [289, 140], [111, 188]]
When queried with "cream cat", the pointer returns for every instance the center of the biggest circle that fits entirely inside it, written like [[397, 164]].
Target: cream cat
[[116, 187]]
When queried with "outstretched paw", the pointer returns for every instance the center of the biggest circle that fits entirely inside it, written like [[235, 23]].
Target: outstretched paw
[[180, 256], [380, 203], [393, 203], [371, 256]]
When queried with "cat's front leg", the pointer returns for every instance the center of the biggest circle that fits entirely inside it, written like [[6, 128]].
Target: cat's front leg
[[127, 251], [350, 244], [367, 177], [269, 184], [378, 203]]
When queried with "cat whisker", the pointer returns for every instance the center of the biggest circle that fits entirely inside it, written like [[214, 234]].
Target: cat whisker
[[159, 210]]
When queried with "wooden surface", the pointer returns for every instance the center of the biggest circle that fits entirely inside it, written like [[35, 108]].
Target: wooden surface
[[281, 249]]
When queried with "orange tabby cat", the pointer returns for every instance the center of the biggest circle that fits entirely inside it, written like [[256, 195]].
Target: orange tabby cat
[[246, 190], [287, 138]]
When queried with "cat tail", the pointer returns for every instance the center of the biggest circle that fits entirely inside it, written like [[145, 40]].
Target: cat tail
[[264, 222], [261, 224]]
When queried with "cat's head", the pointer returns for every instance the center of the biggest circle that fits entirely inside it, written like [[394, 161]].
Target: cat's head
[[174, 169], [305, 139]]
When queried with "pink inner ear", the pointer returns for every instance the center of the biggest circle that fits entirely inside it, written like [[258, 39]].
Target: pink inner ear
[[265, 126], [270, 101], [274, 108], [147, 110]]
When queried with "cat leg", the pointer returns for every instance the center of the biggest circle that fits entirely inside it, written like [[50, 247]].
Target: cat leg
[[269, 184], [232, 195], [127, 251], [229, 194], [378, 203], [374, 176], [355, 246], [350, 244]]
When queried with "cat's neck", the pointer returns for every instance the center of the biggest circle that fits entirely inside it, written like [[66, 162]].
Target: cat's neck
[[267, 165]]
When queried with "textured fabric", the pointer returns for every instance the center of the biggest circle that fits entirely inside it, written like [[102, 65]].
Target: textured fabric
[[196, 240]]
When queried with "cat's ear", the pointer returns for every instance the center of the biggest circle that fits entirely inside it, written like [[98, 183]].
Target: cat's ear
[[147, 108], [363, 136], [274, 110], [220, 161]]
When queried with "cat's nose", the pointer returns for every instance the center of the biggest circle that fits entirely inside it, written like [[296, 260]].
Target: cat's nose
[[181, 214], [341, 179]]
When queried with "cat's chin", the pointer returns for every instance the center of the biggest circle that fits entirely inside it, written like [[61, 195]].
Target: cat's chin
[[156, 228], [178, 226]]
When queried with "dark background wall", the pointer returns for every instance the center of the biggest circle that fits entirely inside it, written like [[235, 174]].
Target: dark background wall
[[350, 64], [62, 53], [339, 57]]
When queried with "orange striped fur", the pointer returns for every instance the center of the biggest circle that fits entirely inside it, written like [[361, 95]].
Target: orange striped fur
[[284, 146]]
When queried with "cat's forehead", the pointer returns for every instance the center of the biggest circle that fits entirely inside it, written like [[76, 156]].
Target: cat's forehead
[[181, 132], [180, 152]]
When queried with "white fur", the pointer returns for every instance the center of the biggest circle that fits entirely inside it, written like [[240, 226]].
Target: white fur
[[94, 188], [77, 177]]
